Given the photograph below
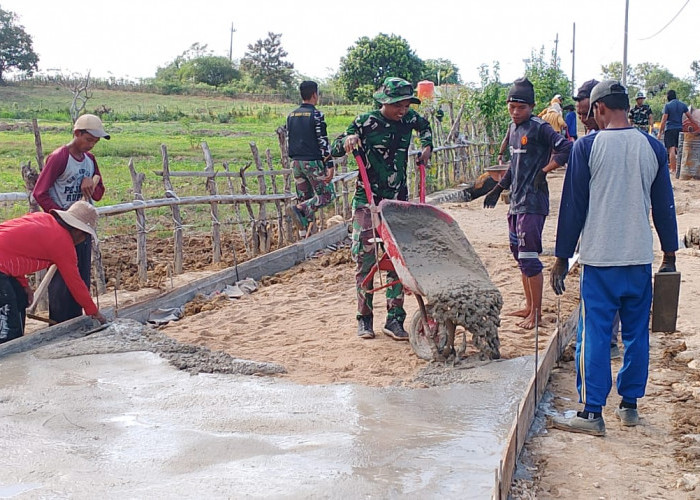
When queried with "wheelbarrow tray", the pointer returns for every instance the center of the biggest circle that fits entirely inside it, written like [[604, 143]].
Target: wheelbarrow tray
[[429, 251]]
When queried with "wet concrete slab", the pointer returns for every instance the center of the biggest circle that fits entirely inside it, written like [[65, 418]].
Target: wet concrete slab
[[130, 425]]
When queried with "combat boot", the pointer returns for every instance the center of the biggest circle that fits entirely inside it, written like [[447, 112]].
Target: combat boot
[[364, 327], [394, 329]]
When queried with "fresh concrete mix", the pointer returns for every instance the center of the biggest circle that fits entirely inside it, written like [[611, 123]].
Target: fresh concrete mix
[[129, 413]]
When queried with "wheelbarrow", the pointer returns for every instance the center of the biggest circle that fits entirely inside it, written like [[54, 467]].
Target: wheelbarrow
[[433, 260]]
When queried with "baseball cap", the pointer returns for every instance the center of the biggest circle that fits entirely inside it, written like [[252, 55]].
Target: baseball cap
[[80, 215], [394, 90], [584, 91], [92, 125], [640, 95], [604, 89]]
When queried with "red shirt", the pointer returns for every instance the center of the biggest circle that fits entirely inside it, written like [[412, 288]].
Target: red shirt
[[54, 177], [34, 242]]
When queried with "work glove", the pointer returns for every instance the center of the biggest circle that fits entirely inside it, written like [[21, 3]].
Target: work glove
[[540, 183], [556, 277], [668, 264], [491, 198]]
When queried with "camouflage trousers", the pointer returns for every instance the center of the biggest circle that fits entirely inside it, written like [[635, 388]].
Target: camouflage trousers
[[312, 190], [363, 253]]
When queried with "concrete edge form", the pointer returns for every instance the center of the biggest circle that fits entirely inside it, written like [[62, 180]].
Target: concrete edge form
[[265, 265], [528, 405]]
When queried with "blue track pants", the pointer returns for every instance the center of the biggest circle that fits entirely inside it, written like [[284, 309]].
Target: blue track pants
[[604, 292]]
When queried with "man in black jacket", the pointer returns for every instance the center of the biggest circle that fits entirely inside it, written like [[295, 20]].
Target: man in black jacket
[[309, 151]]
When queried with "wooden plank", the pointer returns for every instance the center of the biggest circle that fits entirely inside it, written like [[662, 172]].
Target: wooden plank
[[222, 174], [5, 197], [122, 208], [523, 420]]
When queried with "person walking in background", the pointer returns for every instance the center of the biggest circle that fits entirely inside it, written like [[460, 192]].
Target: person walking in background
[[309, 151], [582, 99], [34, 242], [615, 177], [640, 115], [672, 124], [535, 150], [67, 178], [385, 136], [571, 124]]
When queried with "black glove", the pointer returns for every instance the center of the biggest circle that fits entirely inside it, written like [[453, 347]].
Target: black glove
[[557, 275], [540, 183], [668, 264], [492, 197]]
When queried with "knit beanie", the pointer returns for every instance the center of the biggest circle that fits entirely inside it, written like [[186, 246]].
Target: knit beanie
[[522, 91]]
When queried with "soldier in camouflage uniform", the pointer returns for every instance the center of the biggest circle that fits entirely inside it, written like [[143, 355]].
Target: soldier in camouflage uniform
[[309, 150], [384, 135]]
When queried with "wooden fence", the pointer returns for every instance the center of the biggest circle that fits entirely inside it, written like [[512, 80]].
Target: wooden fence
[[259, 197]]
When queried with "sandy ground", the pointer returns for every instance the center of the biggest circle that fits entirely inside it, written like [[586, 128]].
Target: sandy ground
[[304, 319]]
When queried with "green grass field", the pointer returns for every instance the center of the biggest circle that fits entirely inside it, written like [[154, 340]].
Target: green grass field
[[139, 124]]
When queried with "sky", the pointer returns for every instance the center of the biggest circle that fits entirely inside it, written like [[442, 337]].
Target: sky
[[132, 38]]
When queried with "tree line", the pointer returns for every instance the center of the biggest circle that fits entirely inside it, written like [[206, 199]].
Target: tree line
[[266, 69]]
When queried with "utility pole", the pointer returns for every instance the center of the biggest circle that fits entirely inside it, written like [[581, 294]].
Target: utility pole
[[624, 53], [556, 50], [230, 47], [573, 62]]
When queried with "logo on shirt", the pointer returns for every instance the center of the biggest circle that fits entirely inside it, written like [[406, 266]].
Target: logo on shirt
[[523, 140]]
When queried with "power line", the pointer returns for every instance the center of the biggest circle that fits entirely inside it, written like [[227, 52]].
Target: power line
[[668, 23]]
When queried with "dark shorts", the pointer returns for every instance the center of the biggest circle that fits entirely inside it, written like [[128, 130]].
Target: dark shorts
[[671, 138], [525, 235]]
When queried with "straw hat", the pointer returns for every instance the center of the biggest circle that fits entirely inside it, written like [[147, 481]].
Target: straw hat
[[81, 215]]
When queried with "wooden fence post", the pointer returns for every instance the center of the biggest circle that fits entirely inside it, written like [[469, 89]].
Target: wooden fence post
[[255, 236], [237, 211], [37, 145], [175, 209], [214, 207], [263, 224], [278, 204], [284, 152], [141, 257]]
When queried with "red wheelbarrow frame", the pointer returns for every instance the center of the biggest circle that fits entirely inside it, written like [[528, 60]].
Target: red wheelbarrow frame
[[392, 259]]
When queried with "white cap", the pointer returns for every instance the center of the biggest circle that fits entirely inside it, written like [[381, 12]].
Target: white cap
[[92, 125]]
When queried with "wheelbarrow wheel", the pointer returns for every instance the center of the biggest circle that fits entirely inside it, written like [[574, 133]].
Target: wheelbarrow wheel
[[425, 338]]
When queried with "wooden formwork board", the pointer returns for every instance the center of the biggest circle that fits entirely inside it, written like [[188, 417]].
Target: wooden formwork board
[[526, 410], [265, 265]]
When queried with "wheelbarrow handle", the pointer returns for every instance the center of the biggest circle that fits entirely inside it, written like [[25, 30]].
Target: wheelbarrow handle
[[359, 155], [421, 178]]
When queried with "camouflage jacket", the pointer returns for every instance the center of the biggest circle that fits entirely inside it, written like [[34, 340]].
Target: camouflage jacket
[[386, 170]]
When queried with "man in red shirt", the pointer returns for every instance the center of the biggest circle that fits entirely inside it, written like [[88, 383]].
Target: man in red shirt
[[67, 178], [34, 242]]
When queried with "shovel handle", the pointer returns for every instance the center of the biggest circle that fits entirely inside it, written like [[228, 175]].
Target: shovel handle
[[42, 288]]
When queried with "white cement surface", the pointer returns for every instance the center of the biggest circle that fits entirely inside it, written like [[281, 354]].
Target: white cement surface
[[129, 425]]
